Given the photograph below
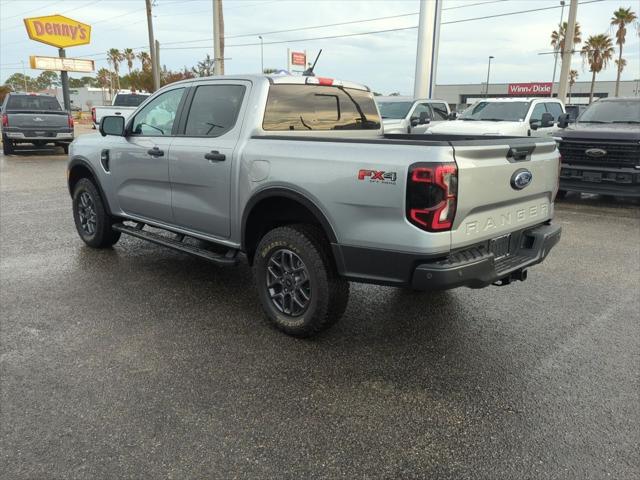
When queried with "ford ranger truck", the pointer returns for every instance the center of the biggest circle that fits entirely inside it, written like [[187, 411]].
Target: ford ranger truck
[[294, 176], [601, 151]]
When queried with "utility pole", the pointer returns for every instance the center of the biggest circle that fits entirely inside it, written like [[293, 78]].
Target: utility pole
[[218, 65], [64, 80], [427, 51], [158, 69], [486, 92], [152, 48], [567, 53], [555, 60]]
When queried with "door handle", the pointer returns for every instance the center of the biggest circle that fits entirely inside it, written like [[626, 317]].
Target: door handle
[[156, 152], [215, 156]]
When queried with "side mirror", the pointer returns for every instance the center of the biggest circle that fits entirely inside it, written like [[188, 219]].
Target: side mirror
[[547, 120], [563, 120], [112, 125], [534, 124], [452, 116], [423, 119], [414, 122]]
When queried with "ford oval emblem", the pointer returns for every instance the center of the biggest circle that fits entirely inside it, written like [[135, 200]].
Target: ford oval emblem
[[595, 152], [521, 178]]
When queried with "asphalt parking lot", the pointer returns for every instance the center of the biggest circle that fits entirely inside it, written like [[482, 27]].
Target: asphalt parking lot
[[138, 362]]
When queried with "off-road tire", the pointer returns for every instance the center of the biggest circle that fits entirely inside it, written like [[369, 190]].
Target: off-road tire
[[329, 292], [561, 194], [101, 235], [7, 145]]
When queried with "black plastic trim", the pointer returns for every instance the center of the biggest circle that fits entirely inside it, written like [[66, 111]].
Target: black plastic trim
[[290, 194], [80, 161]]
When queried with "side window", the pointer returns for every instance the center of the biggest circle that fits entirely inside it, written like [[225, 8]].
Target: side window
[[157, 117], [439, 111], [214, 110], [421, 107], [538, 110], [554, 109]]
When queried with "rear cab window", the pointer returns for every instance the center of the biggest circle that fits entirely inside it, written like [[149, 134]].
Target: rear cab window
[[33, 103], [129, 100], [318, 107]]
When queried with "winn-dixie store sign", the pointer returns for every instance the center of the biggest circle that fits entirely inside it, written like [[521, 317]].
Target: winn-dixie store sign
[[528, 89], [58, 31]]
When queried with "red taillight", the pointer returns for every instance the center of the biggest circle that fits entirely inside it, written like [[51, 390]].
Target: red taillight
[[93, 114], [431, 196], [70, 121], [5, 120], [325, 81]]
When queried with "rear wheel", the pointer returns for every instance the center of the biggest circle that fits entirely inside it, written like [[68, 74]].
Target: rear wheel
[[561, 194], [7, 145], [91, 218], [297, 280]]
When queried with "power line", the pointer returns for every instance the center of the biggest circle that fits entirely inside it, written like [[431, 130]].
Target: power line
[[372, 32]]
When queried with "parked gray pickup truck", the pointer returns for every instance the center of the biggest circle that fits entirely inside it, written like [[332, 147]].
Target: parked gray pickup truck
[[294, 175], [34, 118]]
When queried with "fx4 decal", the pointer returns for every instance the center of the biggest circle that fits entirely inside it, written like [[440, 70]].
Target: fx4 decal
[[377, 176]]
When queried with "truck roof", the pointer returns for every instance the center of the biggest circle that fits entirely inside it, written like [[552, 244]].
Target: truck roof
[[405, 98], [518, 99], [277, 79]]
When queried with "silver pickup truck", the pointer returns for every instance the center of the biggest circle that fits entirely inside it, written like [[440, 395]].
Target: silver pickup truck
[[294, 176]]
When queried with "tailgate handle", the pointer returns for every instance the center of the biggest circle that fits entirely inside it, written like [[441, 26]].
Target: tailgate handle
[[519, 154]]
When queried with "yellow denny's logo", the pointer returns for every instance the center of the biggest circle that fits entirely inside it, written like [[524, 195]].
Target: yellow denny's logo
[[58, 31]]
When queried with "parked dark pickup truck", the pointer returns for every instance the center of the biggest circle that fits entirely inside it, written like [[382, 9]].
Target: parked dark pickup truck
[[34, 118], [601, 151]]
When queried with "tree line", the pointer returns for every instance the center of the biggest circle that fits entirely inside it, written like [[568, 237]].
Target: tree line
[[598, 50]]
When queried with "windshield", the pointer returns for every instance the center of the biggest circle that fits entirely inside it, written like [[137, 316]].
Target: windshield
[[129, 100], [394, 110], [619, 111], [33, 102], [497, 111]]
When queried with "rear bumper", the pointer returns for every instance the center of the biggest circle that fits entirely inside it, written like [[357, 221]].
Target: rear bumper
[[474, 266], [477, 267], [48, 136], [623, 182]]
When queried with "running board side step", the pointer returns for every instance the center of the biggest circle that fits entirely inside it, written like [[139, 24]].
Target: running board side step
[[230, 258]]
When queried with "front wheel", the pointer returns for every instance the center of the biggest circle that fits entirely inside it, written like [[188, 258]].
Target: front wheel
[[297, 280], [91, 218]]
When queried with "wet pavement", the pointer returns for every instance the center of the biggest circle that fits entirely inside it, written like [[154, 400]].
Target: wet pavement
[[139, 362]]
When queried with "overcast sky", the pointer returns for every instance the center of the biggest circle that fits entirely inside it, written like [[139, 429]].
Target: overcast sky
[[384, 61]]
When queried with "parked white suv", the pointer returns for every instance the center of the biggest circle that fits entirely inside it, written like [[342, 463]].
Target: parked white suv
[[523, 117], [406, 115]]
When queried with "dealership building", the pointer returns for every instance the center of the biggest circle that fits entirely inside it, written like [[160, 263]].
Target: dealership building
[[461, 95]]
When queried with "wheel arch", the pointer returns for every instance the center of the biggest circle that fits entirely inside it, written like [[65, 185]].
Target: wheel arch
[[279, 206], [80, 168]]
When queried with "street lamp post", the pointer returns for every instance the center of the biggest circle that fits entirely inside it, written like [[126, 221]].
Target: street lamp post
[[486, 92], [555, 61], [261, 54]]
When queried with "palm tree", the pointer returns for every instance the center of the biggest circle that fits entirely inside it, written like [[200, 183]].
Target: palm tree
[[129, 56], [621, 18], [103, 76], [114, 57], [145, 60], [597, 51], [573, 76], [558, 36]]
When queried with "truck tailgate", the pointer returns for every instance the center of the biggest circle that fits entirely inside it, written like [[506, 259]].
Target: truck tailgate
[[490, 204], [38, 121]]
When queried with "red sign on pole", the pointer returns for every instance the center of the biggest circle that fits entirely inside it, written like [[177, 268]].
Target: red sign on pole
[[298, 58], [526, 89]]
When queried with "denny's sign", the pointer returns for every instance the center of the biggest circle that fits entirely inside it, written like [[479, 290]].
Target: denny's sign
[[58, 31]]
